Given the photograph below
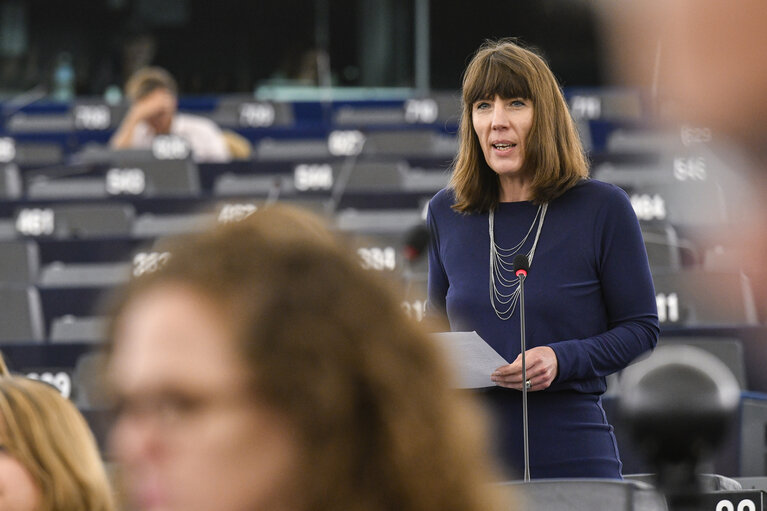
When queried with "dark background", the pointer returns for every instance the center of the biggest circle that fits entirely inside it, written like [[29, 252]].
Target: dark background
[[234, 46]]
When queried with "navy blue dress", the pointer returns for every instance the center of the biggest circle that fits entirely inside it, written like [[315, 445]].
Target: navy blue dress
[[589, 296]]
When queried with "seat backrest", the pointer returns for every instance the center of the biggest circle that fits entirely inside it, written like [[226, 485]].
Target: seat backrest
[[292, 149], [587, 495], [66, 188], [172, 177], [87, 381], [169, 177], [378, 251], [10, 181], [670, 193], [413, 143], [355, 116], [662, 245], [752, 441], [726, 349], [242, 112], [22, 122], [697, 298], [371, 176], [19, 262], [88, 329], [448, 107], [69, 221], [753, 483], [58, 274], [376, 221], [39, 153], [21, 315], [708, 482], [93, 220], [150, 225]]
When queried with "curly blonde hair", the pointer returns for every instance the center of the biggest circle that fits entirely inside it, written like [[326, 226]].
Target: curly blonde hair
[[49, 437]]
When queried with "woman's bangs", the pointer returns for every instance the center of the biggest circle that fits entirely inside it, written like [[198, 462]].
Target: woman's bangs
[[493, 77]]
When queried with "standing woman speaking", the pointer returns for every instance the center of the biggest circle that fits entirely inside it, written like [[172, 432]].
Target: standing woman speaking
[[520, 186]]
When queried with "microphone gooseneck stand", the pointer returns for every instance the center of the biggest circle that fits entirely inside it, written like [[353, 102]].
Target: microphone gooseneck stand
[[526, 446]]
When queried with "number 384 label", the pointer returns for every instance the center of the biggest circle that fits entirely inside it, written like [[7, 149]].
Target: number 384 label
[[744, 500]]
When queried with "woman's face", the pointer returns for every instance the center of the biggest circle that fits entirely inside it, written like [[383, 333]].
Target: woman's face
[[18, 491], [189, 434], [502, 126]]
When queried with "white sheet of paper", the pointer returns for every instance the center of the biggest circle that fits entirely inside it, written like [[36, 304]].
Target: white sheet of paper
[[472, 358]]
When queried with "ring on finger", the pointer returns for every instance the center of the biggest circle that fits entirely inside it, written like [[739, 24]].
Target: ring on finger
[[528, 384]]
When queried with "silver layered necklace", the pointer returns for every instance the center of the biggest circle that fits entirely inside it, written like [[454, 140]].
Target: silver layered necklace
[[504, 285]]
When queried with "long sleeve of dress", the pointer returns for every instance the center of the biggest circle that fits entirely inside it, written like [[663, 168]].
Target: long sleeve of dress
[[437, 278], [629, 296]]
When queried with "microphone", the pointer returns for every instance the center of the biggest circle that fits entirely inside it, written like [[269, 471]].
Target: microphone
[[274, 191], [26, 98], [416, 242], [521, 265]]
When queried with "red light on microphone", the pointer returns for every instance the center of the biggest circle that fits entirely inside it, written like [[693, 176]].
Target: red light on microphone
[[520, 265]]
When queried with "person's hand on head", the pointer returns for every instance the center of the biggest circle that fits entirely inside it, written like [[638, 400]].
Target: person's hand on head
[[156, 102], [542, 369], [156, 109]]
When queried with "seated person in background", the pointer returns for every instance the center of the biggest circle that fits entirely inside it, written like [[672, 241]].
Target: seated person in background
[[261, 368], [154, 111], [48, 456]]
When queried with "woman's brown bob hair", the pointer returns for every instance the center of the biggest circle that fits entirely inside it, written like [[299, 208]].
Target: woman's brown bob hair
[[553, 152], [368, 394], [48, 436]]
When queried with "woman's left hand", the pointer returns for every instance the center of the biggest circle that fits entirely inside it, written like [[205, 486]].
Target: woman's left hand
[[542, 368]]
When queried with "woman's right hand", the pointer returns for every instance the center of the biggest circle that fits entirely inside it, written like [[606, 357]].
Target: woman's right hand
[[542, 369]]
